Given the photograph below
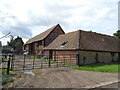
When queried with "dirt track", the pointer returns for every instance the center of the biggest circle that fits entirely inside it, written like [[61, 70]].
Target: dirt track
[[63, 77]]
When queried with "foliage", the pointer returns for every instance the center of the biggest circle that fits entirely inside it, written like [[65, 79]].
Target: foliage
[[17, 44], [5, 50], [100, 68], [6, 78], [117, 34]]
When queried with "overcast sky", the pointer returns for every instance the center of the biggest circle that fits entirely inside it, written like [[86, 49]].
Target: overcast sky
[[27, 18]]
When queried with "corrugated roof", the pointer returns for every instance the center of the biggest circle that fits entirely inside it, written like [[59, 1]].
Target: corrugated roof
[[42, 35], [85, 40]]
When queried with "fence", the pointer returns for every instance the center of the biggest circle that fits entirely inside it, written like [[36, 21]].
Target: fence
[[28, 62], [7, 62]]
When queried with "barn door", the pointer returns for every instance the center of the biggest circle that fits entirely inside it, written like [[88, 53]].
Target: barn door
[[50, 54]]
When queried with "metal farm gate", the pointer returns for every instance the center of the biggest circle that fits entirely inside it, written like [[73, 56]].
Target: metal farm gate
[[29, 62]]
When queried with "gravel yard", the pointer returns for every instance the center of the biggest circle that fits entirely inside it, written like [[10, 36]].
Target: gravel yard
[[62, 77]]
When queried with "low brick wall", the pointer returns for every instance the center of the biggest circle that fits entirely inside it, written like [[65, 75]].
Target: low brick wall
[[92, 57]]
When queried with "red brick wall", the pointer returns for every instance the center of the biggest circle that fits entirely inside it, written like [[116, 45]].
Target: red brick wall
[[61, 52], [68, 57]]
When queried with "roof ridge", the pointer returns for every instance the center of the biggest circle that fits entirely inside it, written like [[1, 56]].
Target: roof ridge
[[47, 30], [70, 32], [98, 33]]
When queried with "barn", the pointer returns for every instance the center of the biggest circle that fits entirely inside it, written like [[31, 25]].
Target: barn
[[36, 44], [86, 46]]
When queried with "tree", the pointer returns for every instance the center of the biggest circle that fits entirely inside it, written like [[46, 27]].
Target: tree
[[16, 44], [117, 34]]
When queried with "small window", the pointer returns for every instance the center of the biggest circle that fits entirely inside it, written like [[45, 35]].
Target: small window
[[39, 43], [64, 43]]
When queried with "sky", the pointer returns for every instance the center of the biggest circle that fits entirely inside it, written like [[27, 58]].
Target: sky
[[27, 18]]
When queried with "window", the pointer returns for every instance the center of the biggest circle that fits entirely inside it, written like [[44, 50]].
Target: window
[[64, 43]]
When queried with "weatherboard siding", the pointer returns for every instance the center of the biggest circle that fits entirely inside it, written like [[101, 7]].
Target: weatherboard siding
[[55, 33]]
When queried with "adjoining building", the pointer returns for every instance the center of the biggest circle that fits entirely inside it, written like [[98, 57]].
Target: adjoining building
[[36, 44], [91, 47]]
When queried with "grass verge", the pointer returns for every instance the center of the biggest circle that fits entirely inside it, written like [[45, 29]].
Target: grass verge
[[7, 78], [113, 68]]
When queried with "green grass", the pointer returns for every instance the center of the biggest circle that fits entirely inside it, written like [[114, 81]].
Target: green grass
[[6, 78], [51, 61], [113, 68]]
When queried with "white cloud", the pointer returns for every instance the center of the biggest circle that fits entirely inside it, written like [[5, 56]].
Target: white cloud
[[31, 17]]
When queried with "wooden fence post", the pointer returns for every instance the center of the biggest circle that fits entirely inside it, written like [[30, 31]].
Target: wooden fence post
[[8, 65]]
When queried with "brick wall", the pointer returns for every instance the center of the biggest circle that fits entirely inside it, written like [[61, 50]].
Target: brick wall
[[68, 57]]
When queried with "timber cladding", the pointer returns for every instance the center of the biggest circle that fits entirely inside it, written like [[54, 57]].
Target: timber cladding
[[55, 33], [94, 57]]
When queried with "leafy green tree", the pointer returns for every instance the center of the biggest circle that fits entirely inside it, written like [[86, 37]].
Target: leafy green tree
[[117, 34], [17, 44]]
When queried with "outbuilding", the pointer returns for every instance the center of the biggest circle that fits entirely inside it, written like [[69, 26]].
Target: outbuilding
[[86, 46]]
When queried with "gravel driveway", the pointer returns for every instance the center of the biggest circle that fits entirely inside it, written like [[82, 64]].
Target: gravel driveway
[[64, 77]]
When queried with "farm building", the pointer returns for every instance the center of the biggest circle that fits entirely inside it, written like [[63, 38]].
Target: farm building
[[86, 46], [36, 44]]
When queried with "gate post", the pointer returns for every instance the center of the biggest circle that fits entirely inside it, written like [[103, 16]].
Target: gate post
[[78, 60], [8, 65], [49, 61]]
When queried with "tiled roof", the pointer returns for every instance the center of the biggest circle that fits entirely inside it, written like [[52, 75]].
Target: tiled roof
[[85, 40], [97, 41], [65, 41], [42, 35]]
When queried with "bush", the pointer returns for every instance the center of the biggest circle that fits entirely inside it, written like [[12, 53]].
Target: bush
[[6, 79], [6, 51]]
